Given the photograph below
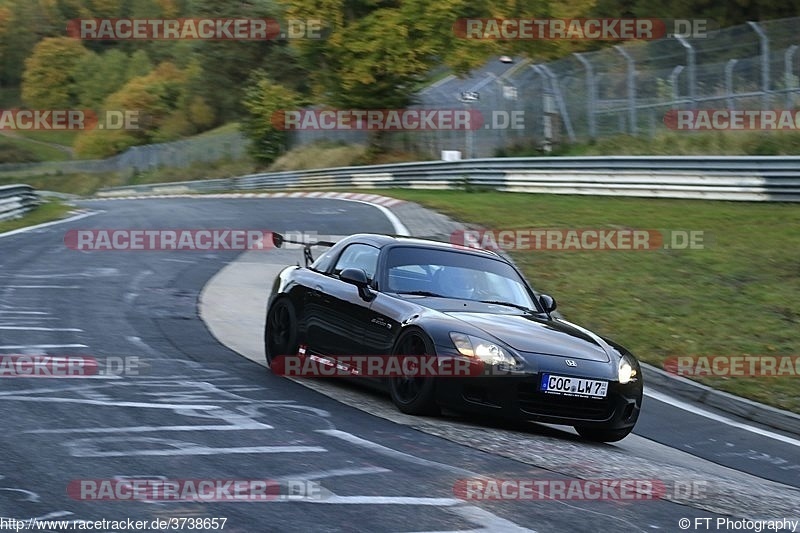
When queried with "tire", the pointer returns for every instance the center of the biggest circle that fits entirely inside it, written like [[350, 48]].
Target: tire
[[415, 395], [280, 330], [602, 434]]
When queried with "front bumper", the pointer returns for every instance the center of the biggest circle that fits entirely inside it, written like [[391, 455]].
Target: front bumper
[[519, 396]]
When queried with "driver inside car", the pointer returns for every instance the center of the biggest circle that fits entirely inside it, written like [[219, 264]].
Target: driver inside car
[[455, 282]]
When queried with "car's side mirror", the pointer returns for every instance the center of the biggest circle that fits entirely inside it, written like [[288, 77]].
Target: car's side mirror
[[548, 303], [357, 277]]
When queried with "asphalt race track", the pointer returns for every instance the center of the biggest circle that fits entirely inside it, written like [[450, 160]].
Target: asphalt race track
[[196, 410]]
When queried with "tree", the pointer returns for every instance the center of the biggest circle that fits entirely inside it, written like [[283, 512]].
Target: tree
[[264, 101], [227, 64], [99, 75], [164, 104], [49, 79], [375, 54], [139, 65], [23, 25]]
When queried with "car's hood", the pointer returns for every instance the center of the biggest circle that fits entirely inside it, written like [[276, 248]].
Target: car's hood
[[531, 334]]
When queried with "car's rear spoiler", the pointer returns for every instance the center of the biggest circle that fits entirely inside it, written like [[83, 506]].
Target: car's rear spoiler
[[278, 240]]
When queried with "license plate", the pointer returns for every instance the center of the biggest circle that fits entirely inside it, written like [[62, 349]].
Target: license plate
[[570, 386]]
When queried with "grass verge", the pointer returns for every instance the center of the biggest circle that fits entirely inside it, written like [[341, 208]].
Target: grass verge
[[675, 143], [22, 150], [739, 295], [52, 209], [85, 184]]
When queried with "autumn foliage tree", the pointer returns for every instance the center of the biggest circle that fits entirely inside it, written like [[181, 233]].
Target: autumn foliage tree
[[164, 105], [50, 79], [264, 101]]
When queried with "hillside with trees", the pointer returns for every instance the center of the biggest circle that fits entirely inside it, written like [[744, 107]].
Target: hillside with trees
[[371, 54]]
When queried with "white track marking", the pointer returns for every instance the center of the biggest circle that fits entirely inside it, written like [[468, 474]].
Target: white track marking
[[41, 287], [155, 429], [104, 403], [399, 227], [40, 346], [324, 474], [36, 328], [47, 224], [719, 418], [205, 450], [388, 500], [390, 452]]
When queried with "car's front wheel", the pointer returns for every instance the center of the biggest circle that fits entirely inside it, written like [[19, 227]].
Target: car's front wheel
[[602, 434], [414, 395], [280, 331]]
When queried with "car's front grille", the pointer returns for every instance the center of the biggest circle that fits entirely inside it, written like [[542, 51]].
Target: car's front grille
[[536, 403]]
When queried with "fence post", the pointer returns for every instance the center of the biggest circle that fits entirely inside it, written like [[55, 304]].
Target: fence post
[[631, 87], [690, 64], [788, 77], [729, 66], [673, 81], [547, 119], [763, 41], [591, 97], [555, 90], [469, 133]]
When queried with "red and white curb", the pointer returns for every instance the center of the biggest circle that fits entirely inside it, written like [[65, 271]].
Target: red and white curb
[[359, 197]]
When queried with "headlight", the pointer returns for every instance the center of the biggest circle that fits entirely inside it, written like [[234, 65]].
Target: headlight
[[626, 371], [486, 351]]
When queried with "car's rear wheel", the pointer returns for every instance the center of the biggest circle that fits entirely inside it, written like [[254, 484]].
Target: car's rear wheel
[[411, 394], [602, 434], [280, 330]]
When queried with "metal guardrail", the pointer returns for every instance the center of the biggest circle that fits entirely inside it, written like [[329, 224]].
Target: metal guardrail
[[16, 200], [745, 178]]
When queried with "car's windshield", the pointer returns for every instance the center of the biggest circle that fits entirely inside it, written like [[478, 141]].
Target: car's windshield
[[454, 274]]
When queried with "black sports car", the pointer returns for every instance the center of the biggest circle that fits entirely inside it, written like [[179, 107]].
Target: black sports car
[[380, 295]]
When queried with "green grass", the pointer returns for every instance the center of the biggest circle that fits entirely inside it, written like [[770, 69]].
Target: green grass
[[63, 137], [328, 154], [675, 143], [51, 210], [223, 168], [88, 183], [82, 184], [230, 127], [19, 150], [739, 295]]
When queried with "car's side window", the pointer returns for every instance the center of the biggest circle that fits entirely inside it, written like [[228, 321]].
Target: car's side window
[[322, 263], [361, 256]]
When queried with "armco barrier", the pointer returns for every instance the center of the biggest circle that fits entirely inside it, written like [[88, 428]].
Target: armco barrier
[[756, 178], [16, 200]]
